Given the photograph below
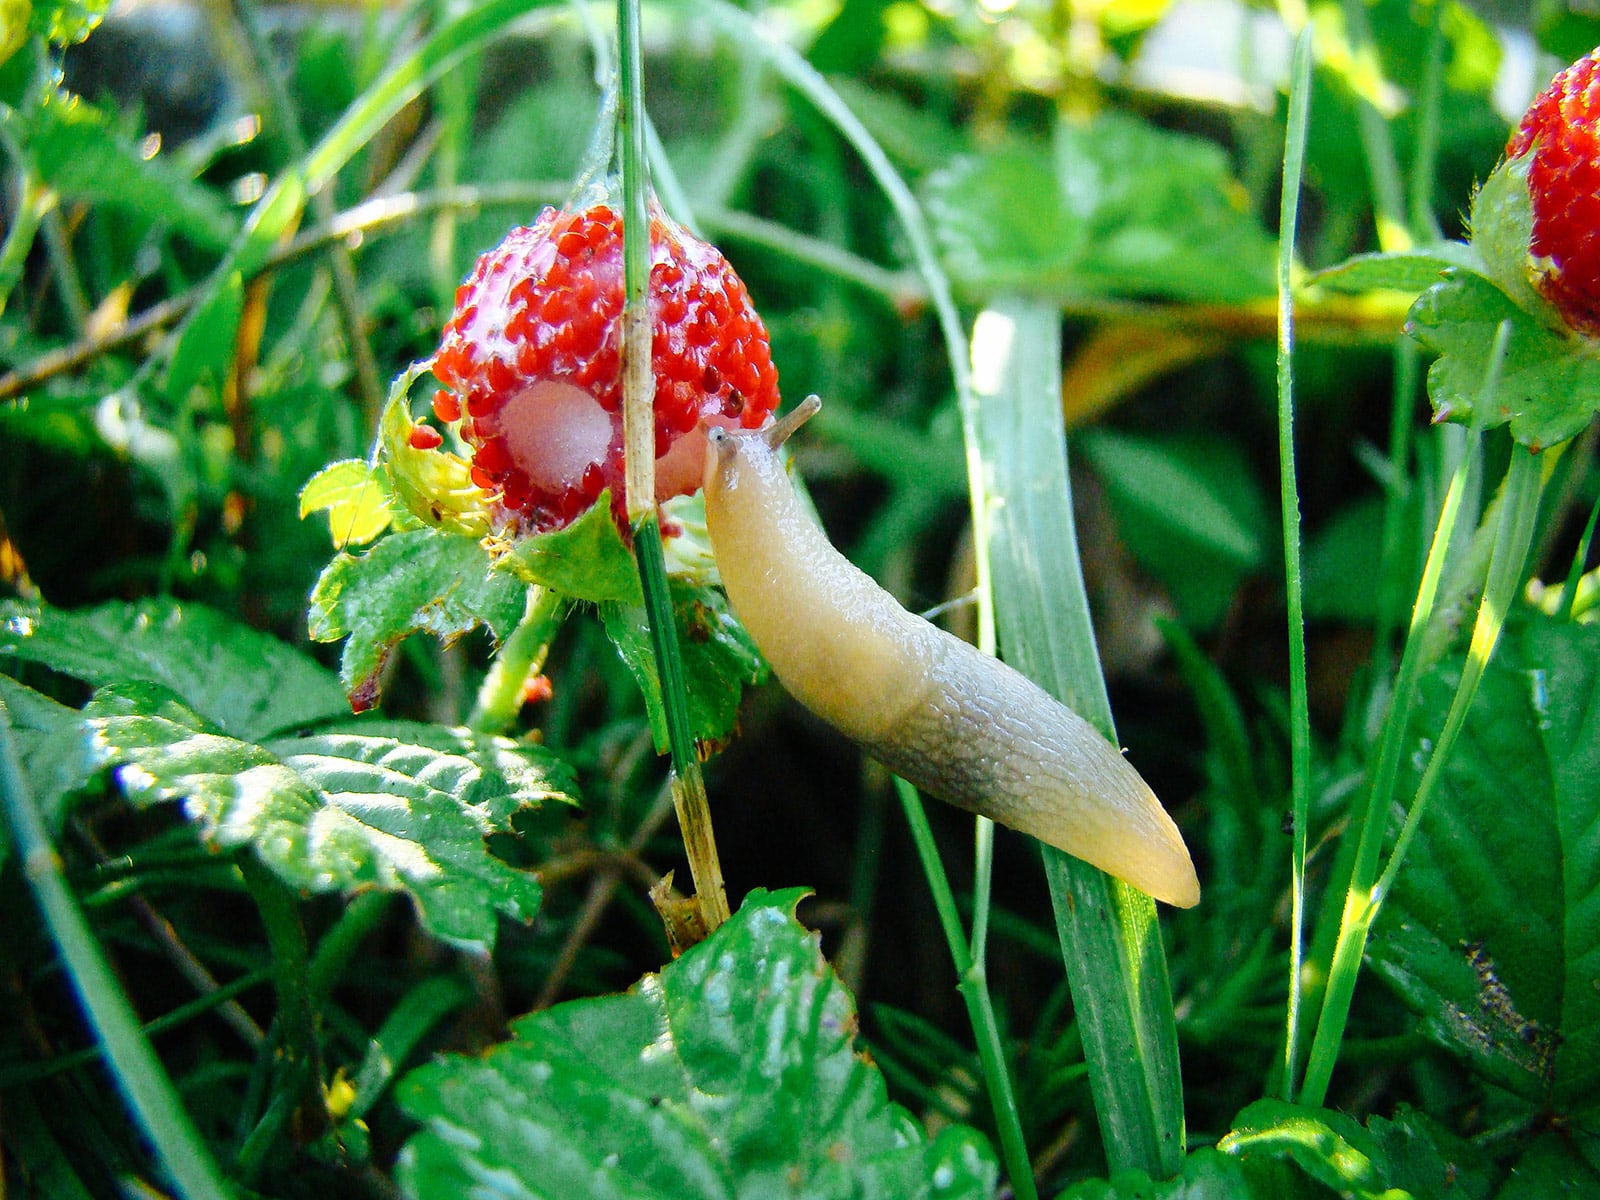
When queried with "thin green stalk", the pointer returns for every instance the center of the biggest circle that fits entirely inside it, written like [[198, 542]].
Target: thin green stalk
[[973, 984], [1289, 500], [1388, 192], [1569, 593], [297, 1019], [138, 1073], [1356, 915], [1425, 160], [25, 1073], [519, 657], [1518, 514], [638, 389], [32, 200], [335, 948]]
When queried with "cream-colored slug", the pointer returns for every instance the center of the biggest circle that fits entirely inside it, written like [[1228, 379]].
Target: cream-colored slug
[[929, 706]]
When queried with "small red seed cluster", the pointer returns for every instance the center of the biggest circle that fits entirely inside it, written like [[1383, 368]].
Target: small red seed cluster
[[531, 363], [1562, 127]]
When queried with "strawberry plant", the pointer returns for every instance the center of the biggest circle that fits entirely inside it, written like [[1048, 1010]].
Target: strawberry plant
[[396, 806]]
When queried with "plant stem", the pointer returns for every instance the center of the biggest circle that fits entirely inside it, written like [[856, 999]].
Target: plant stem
[[297, 1011], [1289, 501], [138, 1073], [638, 392], [521, 656], [973, 984]]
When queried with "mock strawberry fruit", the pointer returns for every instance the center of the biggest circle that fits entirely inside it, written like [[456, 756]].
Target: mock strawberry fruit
[[1562, 128], [531, 363]]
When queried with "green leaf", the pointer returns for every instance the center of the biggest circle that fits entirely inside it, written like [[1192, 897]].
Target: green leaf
[[1330, 1147], [246, 683], [417, 582], [719, 659], [1549, 386], [1207, 1175], [1115, 207], [1550, 1167], [334, 811], [1187, 510], [50, 747], [356, 498], [1401, 271], [732, 1073], [434, 485], [1492, 933], [80, 155], [587, 560], [1429, 1161], [205, 351]]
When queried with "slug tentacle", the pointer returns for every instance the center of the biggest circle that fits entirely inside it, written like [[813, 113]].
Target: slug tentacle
[[932, 708]]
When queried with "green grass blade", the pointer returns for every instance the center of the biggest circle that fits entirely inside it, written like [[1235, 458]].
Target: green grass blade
[[144, 1083], [1110, 940], [1289, 498]]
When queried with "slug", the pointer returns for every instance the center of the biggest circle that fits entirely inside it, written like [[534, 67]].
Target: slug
[[932, 708]]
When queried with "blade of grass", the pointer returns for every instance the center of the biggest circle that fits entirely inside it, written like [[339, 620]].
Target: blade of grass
[[972, 981], [138, 1073], [1110, 940], [1289, 499], [1357, 913], [638, 391]]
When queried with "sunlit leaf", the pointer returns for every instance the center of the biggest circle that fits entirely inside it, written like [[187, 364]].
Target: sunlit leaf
[[355, 497], [732, 1073], [1492, 934], [336, 810], [246, 683], [587, 560], [421, 581]]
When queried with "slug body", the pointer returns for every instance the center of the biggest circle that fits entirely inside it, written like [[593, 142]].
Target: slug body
[[932, 708]]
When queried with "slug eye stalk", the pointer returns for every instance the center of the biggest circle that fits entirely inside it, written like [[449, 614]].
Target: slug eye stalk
[[953, 721]]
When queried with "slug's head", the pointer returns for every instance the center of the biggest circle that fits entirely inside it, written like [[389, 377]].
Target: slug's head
[[727, 448]]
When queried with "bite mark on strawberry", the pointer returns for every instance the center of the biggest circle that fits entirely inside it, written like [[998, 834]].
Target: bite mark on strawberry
[[531, 363]]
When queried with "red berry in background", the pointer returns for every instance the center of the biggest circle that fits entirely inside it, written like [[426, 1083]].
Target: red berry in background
[[531, 364], [1562, 127]]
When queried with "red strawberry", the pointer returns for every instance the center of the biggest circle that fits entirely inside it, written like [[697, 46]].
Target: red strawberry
[[531, 364], [1562, 127]]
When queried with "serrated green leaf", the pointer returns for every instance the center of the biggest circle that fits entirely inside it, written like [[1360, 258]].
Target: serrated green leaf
[[587, 560], [732, 1073], [1116, 207], [719, 660], [422, 581], [356, 498], [1400, 271], [1549, 387], [1492, 933], [326, 812], [248, 684], [1502, 232], [1429, 1161], [1207, 1175], [1328, 1146], [79, 155], [51, 749], [435, 486]]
